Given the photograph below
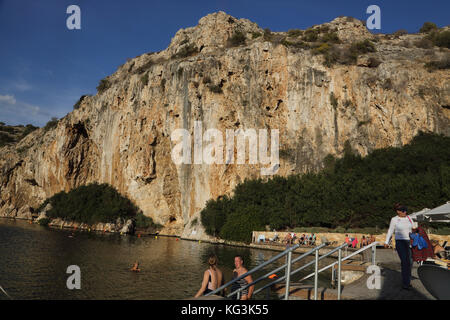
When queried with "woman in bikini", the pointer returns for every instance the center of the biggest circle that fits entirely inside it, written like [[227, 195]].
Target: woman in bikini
[[212, 277], [245, 294]]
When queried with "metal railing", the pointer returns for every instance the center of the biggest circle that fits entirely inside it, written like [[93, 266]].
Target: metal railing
[[372, 246], [288, 272], [286, 266]]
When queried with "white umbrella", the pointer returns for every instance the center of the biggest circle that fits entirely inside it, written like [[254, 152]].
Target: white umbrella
[[438, 214]]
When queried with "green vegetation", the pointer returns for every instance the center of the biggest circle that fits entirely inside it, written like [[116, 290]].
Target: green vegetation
[[330, 37], [144, 222], [186, 51], [362, 47], [28, 129], [103, 85], [311, 35], [324, 48], [145, 67], [268, 34], [256, 35], [44, 221], [295, 32], [351, 192], [144, 79], [216, 88], [440, 64], [424, 43], [427, 27], [6, 139], [78, 103], [440, 39], [345, 54], [333, 100], [91, 204], [399, 33], [13, 134], [51, 124], [237, 39]]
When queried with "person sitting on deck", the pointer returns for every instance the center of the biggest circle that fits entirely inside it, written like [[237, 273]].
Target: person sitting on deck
[[275, 238], [347, 239], [363, 242], [354, 242], [438, 250], [288, 239], [302, 239], [313, 239]]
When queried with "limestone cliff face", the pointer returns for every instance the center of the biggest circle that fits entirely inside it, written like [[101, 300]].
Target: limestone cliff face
[[122, 136]]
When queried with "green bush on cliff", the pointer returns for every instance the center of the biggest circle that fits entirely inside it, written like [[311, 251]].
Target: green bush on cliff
[[52, 123], [103, 85], [44, 222], [237, 39], [144, 222], [427, 27], [440, 39], [350, 192], [90, 203]]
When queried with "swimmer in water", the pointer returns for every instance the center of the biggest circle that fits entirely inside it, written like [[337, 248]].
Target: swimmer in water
[[136, 267]]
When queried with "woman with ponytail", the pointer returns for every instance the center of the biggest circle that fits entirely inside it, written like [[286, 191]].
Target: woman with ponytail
[[212, 277]]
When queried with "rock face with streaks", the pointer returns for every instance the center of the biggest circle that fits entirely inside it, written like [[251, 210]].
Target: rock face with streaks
[[122, 135]]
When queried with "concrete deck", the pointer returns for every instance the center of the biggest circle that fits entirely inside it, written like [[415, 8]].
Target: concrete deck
[[391, 288]]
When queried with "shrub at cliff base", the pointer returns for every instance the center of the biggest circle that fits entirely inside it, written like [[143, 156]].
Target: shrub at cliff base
[[144, 222], [351, 192], [92, 203]]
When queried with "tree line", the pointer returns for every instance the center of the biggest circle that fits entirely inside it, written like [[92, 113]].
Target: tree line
[[350, 192]]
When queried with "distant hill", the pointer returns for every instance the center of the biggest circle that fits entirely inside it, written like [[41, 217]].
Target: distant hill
[[13, 134]]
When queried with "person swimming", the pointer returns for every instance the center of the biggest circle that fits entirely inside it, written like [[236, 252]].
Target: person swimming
[[212, 277], [246, 293], [135, 267]]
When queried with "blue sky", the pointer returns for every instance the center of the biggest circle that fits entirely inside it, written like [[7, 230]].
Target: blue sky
[[45, 68]]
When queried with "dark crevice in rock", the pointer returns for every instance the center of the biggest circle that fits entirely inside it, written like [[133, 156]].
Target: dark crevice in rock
[[33, 182]]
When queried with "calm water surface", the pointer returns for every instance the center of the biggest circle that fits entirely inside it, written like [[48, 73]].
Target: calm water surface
[[34, 260]]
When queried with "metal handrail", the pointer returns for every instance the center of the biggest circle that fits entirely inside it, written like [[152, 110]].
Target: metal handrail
[[316, 271], [252, 271], [372, 245], [305, 265], [289, 273], [276, 270]]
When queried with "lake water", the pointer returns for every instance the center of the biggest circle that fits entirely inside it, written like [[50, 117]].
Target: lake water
[[34, 260]]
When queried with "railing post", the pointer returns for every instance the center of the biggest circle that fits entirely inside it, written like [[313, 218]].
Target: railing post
[[374, 250], [339, 274], [333, 277], [316, 275], [288, 275]]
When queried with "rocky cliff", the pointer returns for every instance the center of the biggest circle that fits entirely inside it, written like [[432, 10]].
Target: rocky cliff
[[228, 73]]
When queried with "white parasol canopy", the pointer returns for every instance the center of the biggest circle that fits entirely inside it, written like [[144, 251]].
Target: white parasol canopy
[[438, 214]]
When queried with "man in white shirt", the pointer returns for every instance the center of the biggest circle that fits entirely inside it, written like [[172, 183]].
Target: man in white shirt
[[402, 226]]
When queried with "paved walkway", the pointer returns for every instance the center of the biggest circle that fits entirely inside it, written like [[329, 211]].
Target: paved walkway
[[391, 287]]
